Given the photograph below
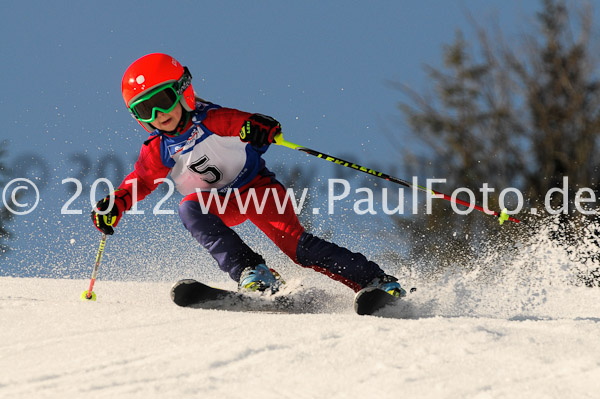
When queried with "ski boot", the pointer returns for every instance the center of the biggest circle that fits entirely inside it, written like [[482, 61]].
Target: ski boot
[[389, 284], [260, 278]]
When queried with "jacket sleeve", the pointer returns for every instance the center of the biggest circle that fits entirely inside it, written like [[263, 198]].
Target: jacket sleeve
[[225, 121], [148, 168]]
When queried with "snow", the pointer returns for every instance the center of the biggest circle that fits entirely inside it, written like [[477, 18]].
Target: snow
[[521, 330], [134, 343]]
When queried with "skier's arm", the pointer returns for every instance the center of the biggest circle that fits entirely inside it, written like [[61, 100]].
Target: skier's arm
[[256, 129], [148, 169], [225, 121]]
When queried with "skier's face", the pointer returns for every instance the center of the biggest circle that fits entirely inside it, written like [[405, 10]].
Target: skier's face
[[168, 121]]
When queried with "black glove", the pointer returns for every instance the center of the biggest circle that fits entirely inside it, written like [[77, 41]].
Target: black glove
[[259, 130], [112, 215]]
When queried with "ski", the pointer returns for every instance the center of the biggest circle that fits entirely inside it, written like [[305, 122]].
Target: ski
[[371, 299], [190, 293]]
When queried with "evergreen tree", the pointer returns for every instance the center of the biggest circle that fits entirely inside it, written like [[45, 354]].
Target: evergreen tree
[[5, 215], [521, 113]]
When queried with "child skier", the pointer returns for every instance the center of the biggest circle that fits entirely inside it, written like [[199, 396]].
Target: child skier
[[204, 146]]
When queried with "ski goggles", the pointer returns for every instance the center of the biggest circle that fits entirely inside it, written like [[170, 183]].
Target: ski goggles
[[163, 99]]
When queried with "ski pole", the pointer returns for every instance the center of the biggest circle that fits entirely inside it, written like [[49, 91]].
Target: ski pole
[[90, 295], [502, 216]]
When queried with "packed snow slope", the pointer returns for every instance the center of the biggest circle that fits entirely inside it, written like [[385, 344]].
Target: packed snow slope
[[525, 332]]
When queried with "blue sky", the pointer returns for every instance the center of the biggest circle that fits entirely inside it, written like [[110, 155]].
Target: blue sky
[[320, 67]]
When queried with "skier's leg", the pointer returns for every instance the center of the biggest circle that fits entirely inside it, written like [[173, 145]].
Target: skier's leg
[[352, 268], [212, 231], [284, 229], [280, 225]]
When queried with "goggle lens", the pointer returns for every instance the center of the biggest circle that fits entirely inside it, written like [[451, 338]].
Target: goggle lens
[[163, 100]]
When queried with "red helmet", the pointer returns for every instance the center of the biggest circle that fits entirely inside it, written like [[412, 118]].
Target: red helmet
[[151, 71]]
